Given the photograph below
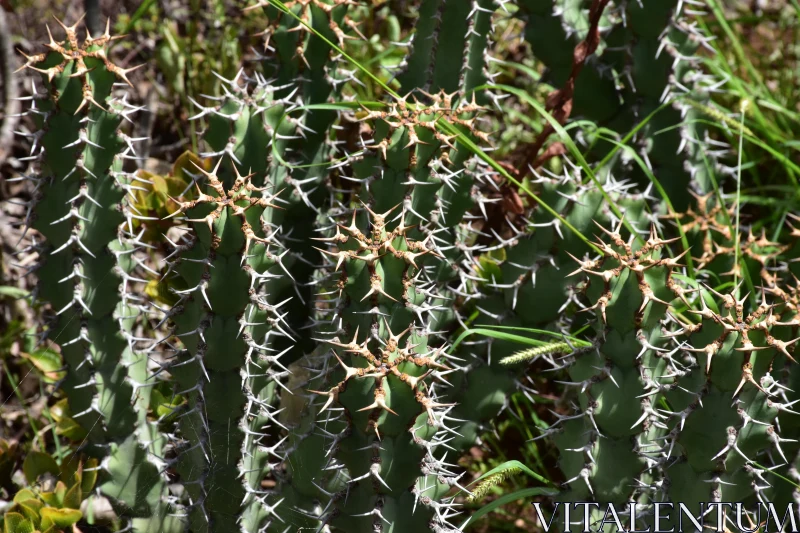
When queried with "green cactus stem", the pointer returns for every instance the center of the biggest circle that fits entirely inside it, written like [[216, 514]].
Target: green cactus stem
[[87, 274], [228, 371]]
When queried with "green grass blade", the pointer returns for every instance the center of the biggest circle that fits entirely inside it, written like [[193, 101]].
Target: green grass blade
[[508, 498]]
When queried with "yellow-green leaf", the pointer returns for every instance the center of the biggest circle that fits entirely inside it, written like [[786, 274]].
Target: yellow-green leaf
[[24, 494], [29, 509], [187, 161], [163, 406], [72, 499], [16, 523], [65, 425], [48, 362], [89, 475], [61, 518]]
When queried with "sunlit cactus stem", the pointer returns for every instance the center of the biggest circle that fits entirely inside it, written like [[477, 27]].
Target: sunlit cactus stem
[[87, 275], [228, 371]]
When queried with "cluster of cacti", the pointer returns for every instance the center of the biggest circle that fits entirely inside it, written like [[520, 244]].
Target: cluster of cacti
[[683, 395], [646, 56], [384, 280], [328, 251]]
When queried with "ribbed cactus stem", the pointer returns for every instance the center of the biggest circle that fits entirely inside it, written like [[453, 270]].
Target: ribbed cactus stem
[[228, 371], [88, 272]]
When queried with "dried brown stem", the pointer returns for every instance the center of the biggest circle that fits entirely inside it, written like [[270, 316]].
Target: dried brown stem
[[559, 102]]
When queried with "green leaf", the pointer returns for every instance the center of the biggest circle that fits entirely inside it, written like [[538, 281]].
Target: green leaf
[[498, 335], [48, 362], [37, 464], [489, 269], [51, 499], [485, 331], [186, 164], [72, 498], [30, 509], [162, 406], [65, 425], [23, 495], [16, 523], [89, 475]]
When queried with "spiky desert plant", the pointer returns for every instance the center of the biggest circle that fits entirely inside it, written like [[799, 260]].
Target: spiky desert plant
[[450, 51], [365, 223], [370, 458], [269, 131], [228, 371], [395, 299], [654, 458], [305, 73], [617, 63], [683, 397], [613, 65], [89, 258]]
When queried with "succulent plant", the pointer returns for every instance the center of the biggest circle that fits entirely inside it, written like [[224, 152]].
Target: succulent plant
[[89, 261], [52, 502], [227, 372]]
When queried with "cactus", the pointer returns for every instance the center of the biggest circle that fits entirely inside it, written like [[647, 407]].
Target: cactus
[[645, 58], [303, 71], [375, 311], [89, 263], [372, 417], [257, 128], [227, 372], [331, 250], [674, 409]]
